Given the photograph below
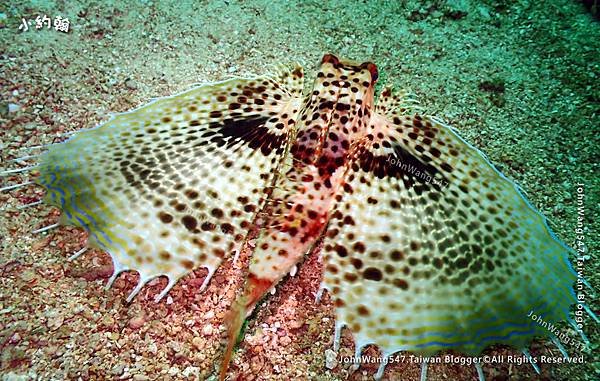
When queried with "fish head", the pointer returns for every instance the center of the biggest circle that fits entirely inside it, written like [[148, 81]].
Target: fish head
[[336, 115], [346, 81]]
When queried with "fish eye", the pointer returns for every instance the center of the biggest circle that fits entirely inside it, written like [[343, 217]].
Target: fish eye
[[331, 59], [374, 72], [372, 68]]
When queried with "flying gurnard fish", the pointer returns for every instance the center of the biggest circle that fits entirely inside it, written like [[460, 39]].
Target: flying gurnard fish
[[425, 245]]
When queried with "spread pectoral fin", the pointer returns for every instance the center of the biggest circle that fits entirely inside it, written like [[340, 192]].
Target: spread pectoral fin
[[175, 185], [431, 248]]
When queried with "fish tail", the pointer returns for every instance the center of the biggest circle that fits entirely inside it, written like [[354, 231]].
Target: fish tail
[[254, 290], [233, 321]]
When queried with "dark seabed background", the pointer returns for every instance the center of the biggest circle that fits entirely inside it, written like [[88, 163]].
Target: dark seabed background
[[518, 79]]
